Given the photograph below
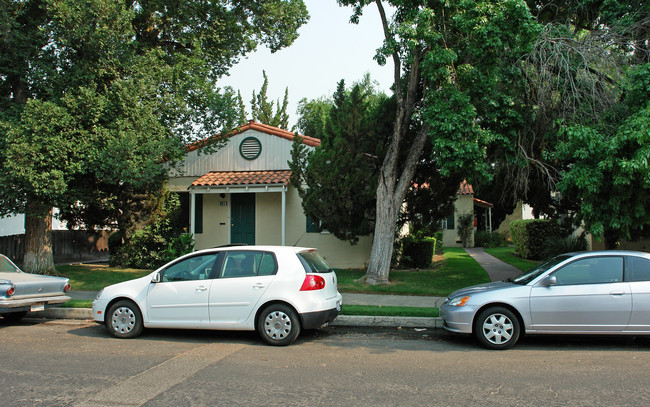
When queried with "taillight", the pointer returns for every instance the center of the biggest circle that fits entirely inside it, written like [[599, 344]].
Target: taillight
[[66, 288], [312, 282], [11, 291]]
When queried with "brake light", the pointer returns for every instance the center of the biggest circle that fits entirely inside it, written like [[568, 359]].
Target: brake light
[[312, 282], [11, 291], [66, 288]]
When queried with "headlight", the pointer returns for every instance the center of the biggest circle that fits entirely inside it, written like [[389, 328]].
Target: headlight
[[459, 301], [99, 294]]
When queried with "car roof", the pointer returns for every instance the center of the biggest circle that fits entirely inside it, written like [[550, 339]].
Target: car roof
[[609, 253]]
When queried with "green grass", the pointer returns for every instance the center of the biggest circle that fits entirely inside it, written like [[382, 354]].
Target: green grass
[[507, 255], [457, 271], [78, 304], [380, 311], [94, 277]]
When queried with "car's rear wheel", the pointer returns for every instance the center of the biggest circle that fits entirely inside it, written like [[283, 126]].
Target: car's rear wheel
[[278, 325], [14, 316], [497, 328], [124, 320]]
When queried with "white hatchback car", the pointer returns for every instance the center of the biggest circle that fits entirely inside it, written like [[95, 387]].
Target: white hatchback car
[[275, 290]]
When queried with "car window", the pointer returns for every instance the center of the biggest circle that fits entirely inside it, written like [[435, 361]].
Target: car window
[[193, 268], [6, 266], [538, 270], [313, 262], [638, 268], [248, 263], [592, 270]]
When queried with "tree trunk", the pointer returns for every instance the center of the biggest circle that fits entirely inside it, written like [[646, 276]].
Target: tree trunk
[[384, 235], [610, 236], [38, 240]]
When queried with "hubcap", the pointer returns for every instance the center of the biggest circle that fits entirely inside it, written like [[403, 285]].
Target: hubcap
[[123, 320], [497, 329], [277, 325]]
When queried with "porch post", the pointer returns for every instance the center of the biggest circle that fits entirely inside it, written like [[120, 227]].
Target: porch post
[[284, 215], [490, 218], [192, 211]]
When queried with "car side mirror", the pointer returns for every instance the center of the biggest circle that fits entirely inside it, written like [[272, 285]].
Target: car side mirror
[[549, 281], [155, 278]]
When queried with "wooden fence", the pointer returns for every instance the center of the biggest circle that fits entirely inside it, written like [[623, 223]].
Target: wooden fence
[[67, 245]]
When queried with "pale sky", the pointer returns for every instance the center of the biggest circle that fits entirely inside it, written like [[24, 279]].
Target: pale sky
[[329, 49]]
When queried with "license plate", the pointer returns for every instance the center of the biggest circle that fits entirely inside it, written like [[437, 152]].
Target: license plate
[[38, 307]]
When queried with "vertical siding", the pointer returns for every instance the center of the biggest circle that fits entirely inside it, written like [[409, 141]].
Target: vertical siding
[[275, 155]]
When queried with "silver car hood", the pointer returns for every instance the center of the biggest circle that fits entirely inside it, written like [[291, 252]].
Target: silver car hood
[[475, 289]]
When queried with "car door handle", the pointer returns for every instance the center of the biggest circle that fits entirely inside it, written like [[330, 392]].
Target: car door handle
[[617, 293], [259, 286], [201, 288]]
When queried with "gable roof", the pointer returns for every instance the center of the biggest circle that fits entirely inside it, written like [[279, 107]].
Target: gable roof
[[252, 125]]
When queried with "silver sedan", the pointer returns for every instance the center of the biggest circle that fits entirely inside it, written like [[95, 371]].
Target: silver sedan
[[22, 292], [603, 292]]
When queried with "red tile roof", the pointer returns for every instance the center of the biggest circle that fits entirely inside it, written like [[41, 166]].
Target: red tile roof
[[465, 188], [224, 178], [274, 131]]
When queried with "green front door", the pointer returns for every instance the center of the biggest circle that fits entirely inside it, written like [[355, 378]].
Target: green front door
[[242, 212]]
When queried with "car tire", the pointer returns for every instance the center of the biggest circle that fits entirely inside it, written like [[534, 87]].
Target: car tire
[[497, 328], [124, 320], [278, 325], [14, 316]]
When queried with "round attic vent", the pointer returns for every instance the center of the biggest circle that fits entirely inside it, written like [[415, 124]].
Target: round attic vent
[[250, 148]]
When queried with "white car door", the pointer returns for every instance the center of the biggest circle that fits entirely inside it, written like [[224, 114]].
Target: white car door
[[180, 299], [244, 277], [588, 295]]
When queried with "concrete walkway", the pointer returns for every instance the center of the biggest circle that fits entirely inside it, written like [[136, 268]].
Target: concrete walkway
[[496, 269]]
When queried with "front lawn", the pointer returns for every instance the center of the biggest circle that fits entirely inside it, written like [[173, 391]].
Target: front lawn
[[457, 271], [94, 277], [507, 255]]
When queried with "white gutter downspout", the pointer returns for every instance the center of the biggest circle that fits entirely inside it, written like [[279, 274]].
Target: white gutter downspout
[[192, 211], [284, 215]]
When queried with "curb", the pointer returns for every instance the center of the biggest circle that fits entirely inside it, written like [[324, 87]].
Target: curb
[[341, 320]]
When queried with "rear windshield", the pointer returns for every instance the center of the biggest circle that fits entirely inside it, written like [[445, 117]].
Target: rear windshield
[[6, 266], [313, 262]]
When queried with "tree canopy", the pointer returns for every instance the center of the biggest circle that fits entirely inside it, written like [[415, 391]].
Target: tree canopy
[[96, 94]]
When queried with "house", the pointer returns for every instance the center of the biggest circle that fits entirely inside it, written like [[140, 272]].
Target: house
[[466, 203], [240, 193]]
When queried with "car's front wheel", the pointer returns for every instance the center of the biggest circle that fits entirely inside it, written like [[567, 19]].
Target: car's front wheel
[[124, 320], [278, 325], [497, 328]]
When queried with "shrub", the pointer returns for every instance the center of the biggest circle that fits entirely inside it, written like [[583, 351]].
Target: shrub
[[158, 242], [488, 239], [555, 246], [416, 252], [466, 228], [529, 236]]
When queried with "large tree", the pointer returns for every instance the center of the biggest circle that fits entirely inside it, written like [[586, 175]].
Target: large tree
[[451, 60], [338, 180], [95, 94]]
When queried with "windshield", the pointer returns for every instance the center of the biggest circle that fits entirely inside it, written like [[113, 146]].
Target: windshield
[[313, 262], [539, 270], [6, 266]]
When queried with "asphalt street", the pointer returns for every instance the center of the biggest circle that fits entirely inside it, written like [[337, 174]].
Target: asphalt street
[[75, 363]]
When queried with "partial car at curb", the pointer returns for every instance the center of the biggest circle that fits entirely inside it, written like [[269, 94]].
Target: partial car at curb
[[21, 292], [601, 292], [274, 290]]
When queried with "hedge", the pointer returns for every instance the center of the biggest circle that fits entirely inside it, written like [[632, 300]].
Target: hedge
[[529, 236]]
